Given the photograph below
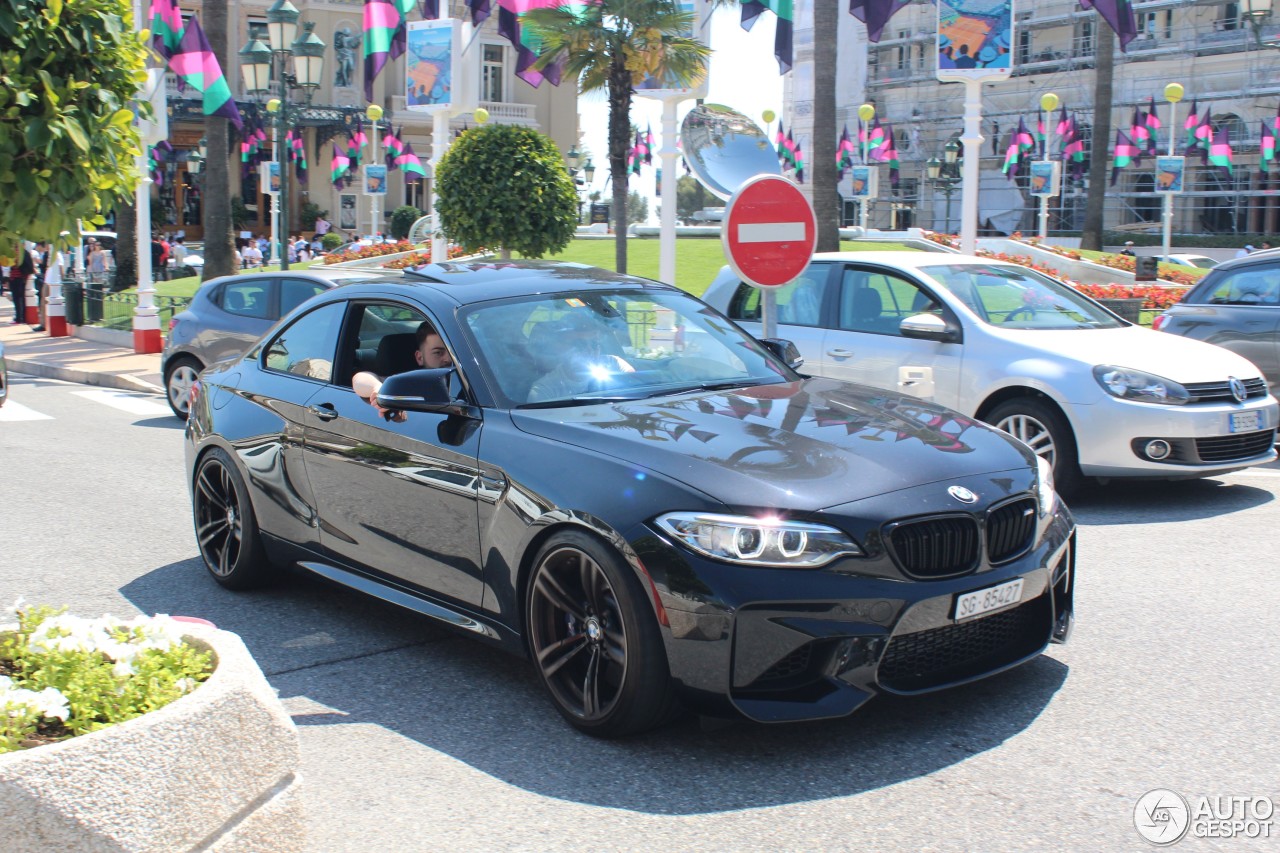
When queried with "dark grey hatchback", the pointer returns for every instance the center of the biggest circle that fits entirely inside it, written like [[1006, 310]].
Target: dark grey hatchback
[[611, 478], [1237, 306]]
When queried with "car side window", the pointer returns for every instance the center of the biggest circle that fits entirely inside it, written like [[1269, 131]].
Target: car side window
[[247, 299], [799, 303], [386, 339], [306, 346], [1249, 286], [295, 291], [877, 302]]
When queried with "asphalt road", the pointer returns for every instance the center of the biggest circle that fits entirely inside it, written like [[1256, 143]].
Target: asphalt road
[[414, 739]]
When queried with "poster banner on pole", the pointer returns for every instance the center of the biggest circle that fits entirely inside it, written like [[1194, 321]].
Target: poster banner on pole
[[347, 212], [1046, 177], [269, 177], [975, 40], [375, 180], [1169, 171], [866, 182], [430, 59]]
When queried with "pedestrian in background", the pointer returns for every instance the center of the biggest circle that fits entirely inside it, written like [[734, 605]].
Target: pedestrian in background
[[54, 266], [1128, 249], [1245, 252], [18, 275], [97, 262]]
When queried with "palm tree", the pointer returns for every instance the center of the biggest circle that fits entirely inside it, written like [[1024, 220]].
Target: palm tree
[[219, 257], [1094, 206], [613, 45], [826, 200]]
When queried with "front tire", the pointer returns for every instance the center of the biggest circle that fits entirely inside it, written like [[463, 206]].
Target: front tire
[[1042, 428], [178, 379], [595, 640], [226, 528]]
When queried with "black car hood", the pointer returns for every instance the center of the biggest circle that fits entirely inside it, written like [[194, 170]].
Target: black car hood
[[805, 445]]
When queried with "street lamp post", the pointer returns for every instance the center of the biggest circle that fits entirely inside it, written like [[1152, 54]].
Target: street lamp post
[[257, 64], [581, 176], [944, 175]]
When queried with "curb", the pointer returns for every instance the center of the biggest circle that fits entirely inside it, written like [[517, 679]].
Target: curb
[[119, 381]]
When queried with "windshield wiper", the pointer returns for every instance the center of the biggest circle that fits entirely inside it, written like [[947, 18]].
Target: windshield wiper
[[724, 385]]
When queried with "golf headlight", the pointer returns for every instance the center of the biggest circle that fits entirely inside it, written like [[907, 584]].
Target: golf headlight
[[759, 541], [1045, 495], [1139, 386]]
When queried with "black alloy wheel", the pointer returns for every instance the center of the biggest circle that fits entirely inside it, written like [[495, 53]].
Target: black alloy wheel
[[226, 529], [595, 640]]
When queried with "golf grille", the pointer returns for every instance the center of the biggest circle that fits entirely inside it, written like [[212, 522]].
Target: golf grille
[[1220, 392], [1229, 448]]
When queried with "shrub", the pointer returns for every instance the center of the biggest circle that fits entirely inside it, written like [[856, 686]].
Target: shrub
[[402, 219], [331, 241], [309, 214]]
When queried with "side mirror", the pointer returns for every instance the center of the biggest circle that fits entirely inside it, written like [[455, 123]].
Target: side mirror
[[423, 391], [929, 327], [786, 351]]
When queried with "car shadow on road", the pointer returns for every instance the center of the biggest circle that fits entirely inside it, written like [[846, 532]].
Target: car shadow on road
[[1158, 502], [368, 662], [161, 422]]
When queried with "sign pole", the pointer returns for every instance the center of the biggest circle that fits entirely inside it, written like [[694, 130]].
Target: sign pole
[[1173, 94]]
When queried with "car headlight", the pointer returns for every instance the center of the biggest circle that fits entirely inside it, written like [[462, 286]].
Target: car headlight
[[752, 541], [1129, 384], [1045, 495]]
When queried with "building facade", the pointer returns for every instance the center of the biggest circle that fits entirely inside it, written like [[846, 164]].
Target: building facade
[[1225, 63], [332, 114]]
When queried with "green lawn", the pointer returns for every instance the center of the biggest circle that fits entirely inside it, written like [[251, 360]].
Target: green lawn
[[1195, 272], [698, 260]]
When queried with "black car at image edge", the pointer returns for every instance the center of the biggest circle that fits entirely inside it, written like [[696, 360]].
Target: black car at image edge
[[609, 477]]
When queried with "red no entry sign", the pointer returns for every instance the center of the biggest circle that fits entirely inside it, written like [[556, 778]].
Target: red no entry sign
[[769, 231]]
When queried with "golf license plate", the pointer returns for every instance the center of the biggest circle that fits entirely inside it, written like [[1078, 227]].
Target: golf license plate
[[971, 604], [1247, 421]]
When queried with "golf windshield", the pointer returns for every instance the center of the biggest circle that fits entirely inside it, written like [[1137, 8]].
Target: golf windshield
[[575, 348], [1014, 297]]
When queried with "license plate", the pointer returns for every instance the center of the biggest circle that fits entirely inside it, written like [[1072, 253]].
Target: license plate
[[1247, 421], [971, 604]]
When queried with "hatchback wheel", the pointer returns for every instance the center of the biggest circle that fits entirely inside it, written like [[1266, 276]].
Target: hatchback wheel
[[226, 528], [595, 640], [1045, 431], [178, 380]]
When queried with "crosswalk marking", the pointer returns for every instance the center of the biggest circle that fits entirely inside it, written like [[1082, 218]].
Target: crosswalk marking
[[125, 402], [12, 411]]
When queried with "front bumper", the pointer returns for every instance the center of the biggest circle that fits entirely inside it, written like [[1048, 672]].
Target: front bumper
[[1110, 437], [779, 645]]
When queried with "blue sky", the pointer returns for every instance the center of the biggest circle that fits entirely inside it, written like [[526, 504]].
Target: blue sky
[[744, 75]]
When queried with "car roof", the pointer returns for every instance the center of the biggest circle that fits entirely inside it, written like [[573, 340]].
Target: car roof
[[1258, 256], [334, 275], [905, 259], [478, 281]]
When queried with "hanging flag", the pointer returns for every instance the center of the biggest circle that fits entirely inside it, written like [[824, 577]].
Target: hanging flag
[[340, 169], [875, 136], [430, 10], [782, 39], [1203, 136], [1268, 148], [1275, 122], [356, 143], [195, 63], [1064, 123], [1073, 149], [157, 156], [1220, 151], [1190, 125], [297, 155], [394, 145], [1042, 133], [875, 14], [1124, 154], [648, 145], [166, 27], [889, 154], [1153, 120], [799, 155], [780, 142], [884, 145], [640, 152], [792, 152], [1141, 135], [510, 27], [1020, 143], [384, 36], [844, 154], [410, 164], [1119, 16]]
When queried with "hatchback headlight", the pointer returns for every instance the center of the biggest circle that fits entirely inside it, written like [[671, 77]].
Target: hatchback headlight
[[1045, 495], [752, 541], [1137, 385]]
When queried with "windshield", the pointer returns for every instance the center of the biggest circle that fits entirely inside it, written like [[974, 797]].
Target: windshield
[[1013, 297], [575, 348]]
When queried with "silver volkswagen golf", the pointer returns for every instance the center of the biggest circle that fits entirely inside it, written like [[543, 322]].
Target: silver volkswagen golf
[[1093, 394]]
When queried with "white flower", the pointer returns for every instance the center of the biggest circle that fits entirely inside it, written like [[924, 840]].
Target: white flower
[[123, 669], [51, 703]]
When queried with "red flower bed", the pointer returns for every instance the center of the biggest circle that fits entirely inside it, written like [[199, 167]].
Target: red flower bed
[[424, 257], [374, 251], [1154, 298]]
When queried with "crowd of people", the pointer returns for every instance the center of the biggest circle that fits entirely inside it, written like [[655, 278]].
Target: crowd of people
[[38, 265]]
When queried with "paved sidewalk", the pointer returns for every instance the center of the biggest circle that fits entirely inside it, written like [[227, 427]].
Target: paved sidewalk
[[76, 360]]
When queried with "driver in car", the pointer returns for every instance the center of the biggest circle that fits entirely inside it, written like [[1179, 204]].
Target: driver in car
[[581, 351], [430, 353]]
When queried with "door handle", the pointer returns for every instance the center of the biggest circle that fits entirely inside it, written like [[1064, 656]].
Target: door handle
[[324, 411], [839, 353]]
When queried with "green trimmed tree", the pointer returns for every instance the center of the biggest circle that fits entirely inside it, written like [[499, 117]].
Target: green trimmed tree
[[506, 186], [68, 77], [402, 219]]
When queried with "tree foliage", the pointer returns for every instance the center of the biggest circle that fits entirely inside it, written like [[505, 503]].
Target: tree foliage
[[506, 186], [69, 72], [692, 197], [637, 208], [402, 219]]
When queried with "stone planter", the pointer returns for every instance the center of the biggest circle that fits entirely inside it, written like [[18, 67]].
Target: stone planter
[[215, 770], [1130, 309]]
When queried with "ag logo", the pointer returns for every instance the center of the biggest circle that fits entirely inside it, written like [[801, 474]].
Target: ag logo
[[1161, 817]]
